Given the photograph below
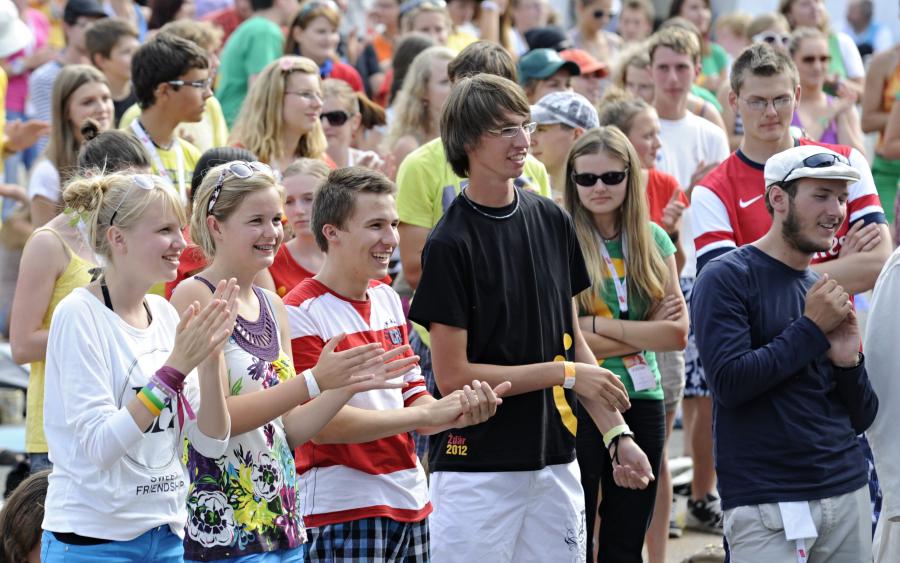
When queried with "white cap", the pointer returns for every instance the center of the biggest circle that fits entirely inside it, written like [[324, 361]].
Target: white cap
[[569, 108], [808, 161], [15, 35]]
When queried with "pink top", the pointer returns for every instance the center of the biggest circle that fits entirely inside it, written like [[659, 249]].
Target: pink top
[[17, 90]]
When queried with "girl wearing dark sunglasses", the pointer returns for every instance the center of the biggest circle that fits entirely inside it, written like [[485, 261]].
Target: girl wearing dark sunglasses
[[341, 120], [822, 117], [633, 309]]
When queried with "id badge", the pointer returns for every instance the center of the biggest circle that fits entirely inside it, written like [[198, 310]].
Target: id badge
[[641, 375], [798, 526]]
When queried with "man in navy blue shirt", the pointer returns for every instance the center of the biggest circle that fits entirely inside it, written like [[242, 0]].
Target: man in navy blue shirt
[[780, 345]]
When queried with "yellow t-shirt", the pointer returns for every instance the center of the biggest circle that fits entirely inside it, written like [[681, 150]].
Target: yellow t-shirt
[[427, 186], [209, 132], [76, 274]]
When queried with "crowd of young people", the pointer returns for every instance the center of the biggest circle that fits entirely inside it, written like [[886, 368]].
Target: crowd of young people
[[437, 288]]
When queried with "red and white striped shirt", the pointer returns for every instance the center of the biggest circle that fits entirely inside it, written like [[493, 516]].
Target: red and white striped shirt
[[344, 482]]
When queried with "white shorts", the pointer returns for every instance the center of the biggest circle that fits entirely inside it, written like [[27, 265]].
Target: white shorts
[[508, 516]]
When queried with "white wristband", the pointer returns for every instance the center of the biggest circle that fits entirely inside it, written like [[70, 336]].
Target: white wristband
[[311, 385]]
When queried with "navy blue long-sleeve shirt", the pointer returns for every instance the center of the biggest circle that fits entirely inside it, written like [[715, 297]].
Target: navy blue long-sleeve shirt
[[785, 418]]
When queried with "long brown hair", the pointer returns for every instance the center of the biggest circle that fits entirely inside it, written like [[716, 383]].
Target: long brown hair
[[646, 268]]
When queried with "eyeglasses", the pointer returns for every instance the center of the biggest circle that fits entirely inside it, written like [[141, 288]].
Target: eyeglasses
[[826, 59], [772, 38], [204, 84], [240, 169], [142, 181], [513, 130], [760, 104], [589, 180], [335, 118], [600, 14], [307, 95], [820, 160]]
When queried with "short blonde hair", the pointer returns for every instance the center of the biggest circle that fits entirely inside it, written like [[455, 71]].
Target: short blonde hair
[[231, 195], [677, 39], [202, 33], [259, 123], [100, 200]]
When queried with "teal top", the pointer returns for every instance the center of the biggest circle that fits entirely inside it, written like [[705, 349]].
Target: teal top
[[606, 304]]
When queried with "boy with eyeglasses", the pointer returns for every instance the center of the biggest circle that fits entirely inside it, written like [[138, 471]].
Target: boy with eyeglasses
[[729, 207], [171, 81], [499, 275], [780, 344]]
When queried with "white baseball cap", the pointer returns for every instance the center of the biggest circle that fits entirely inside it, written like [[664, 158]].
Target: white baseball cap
[[569, 108], [15, 35], [808, 161]]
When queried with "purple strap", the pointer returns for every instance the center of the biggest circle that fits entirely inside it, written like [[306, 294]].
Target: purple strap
[[171, 382]]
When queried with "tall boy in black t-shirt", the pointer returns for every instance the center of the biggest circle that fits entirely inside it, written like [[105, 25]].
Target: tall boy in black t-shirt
[[500, 271]]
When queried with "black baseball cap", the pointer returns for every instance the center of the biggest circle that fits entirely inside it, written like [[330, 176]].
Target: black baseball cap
[[82, 8]]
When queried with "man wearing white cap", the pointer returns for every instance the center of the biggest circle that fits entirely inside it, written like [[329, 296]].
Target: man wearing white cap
[[780, 345], [561, 118]]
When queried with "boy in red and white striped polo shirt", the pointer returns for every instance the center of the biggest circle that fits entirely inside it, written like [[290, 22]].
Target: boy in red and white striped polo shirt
[[364, 493]]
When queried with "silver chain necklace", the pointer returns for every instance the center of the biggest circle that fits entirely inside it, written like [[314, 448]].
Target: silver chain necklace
[[474, 206]]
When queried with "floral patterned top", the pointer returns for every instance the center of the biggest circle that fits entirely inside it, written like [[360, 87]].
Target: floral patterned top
[[245, 502]]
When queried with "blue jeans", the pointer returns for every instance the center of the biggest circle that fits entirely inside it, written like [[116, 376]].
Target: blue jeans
[[158, 545], [281, 556]]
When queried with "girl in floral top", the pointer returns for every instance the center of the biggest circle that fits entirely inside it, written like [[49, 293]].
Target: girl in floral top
[[243, 505]]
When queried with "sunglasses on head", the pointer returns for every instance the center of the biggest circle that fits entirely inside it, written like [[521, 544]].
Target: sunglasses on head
[[772, 38], [335, 118], [240, 169], [589, 180], [821, 160], [142, 181]]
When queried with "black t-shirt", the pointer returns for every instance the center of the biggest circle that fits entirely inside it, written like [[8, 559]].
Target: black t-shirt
[[509, 282], [121, 106]]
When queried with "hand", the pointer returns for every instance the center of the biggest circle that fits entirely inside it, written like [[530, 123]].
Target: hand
[[671, 308], [633, 469], [22, 134], [702, 170], [468, 406], [672, 212], [370, 159], [860, 238], [39, 57], [597, 383], [201, 333], [14, 191], [390, 365], [227, 291], [827, 304], [338, 369], [844, 340]]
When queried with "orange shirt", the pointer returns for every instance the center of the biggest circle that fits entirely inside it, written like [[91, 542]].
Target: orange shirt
[[660, 189]]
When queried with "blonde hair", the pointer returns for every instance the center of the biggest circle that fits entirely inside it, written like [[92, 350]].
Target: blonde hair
[[676, 38], [100, 199], [308, 166], [62, 150], [769, 20], [801, 34], [260, 121], [230, 197], [202, 33], [636, 56], [734, 22], [332, 87], [408, 19], [647, 270], [412, 115]]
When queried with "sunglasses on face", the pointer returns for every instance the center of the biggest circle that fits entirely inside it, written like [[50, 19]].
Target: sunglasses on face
[[335, 118], [589, 180], [813, 59], [240, 169], [772, 38], [600, 14], [821, 160]]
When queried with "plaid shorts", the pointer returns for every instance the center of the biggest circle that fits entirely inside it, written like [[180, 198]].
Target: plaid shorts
[[694, 376], [370, 540]]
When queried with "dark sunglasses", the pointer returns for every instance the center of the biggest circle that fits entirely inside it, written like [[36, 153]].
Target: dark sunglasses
[[821, 160], [600, 14], [589, 180], [335, 118], [812, 58]]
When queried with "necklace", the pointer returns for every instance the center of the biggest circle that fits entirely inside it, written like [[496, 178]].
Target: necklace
[[259, 337], [474, 206]]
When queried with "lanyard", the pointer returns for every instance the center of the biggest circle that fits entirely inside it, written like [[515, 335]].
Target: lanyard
[[620, 284], [144, 138]]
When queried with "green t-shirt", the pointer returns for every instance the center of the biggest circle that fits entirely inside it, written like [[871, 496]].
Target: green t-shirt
[[606, 304], [426, 186], [253, 45], [715, 61]]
